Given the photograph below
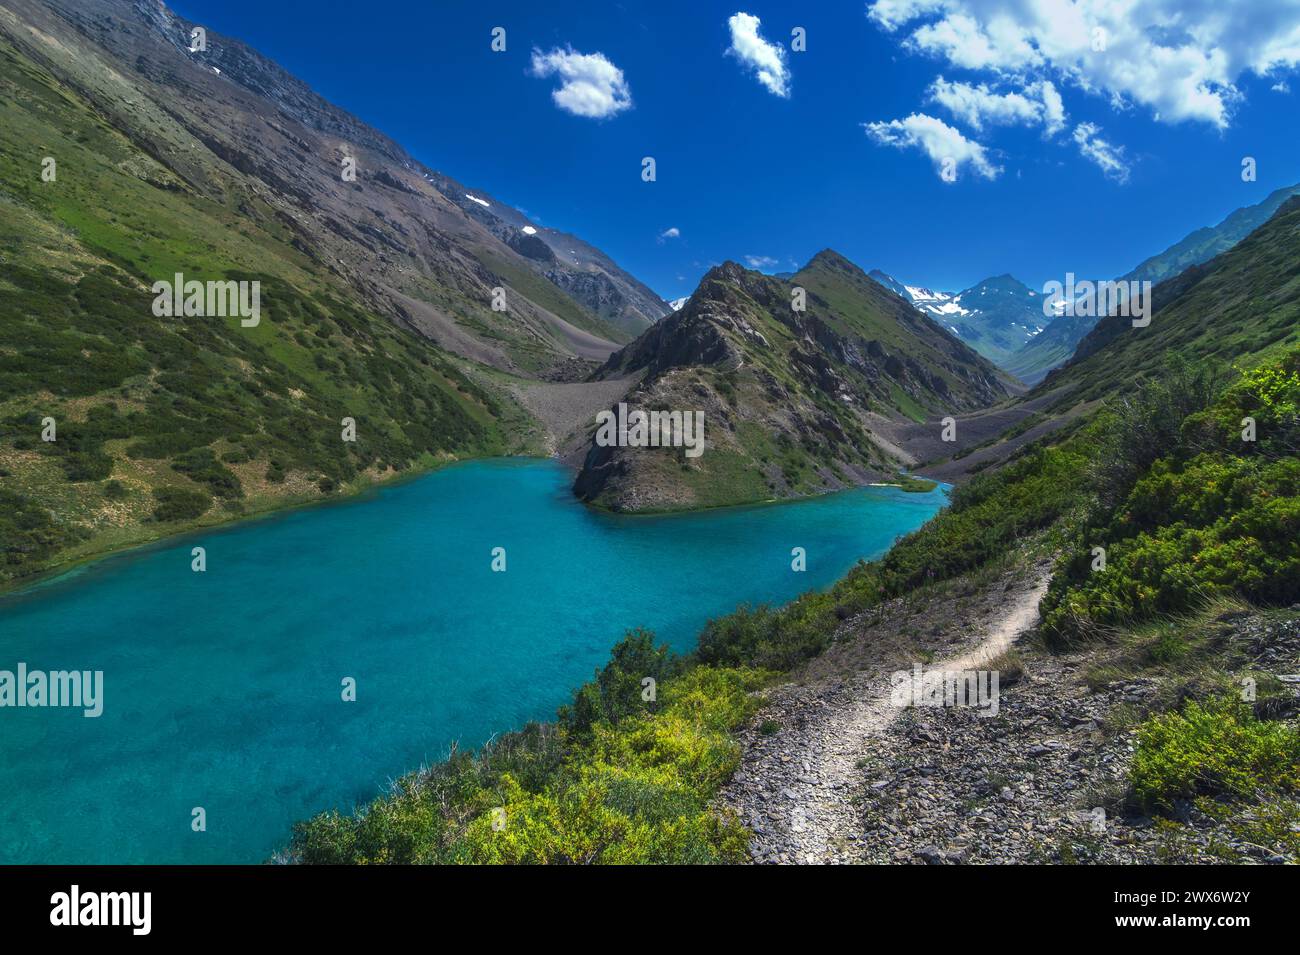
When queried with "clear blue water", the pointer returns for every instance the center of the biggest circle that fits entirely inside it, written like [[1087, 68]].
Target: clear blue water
[[222, 689]]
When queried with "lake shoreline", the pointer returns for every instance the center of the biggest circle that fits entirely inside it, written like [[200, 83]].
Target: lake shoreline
[[226, 683], [74, 566]]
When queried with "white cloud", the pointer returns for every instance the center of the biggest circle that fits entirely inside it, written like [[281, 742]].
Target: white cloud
[[767, 60], [1280, 86], [590, 85], [671, 233], [760, 261], [978, 106], [1181, 59], [892, 14], [940, 142], [1110, 158], [1053, 108]]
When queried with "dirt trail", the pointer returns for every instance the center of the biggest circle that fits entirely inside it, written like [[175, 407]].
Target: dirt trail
[[795, 791]]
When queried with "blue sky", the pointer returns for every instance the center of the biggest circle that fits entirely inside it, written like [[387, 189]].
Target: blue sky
[[1068, 157]]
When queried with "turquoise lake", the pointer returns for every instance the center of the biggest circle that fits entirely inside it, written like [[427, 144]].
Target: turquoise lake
[[223, 689]]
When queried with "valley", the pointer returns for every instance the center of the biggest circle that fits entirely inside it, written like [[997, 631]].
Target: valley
[[344, 473]]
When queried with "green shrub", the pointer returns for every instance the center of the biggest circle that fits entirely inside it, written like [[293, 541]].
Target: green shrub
[[621, 781], [28, 535], [201, 465], [618, 690], [1218, 749], [1213, 517], [178, 504]]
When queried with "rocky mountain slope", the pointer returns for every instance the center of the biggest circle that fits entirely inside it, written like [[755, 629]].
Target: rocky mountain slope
[[794, 401], [832, 771], [324, 190]]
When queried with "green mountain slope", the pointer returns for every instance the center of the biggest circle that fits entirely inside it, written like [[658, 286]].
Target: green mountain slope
[[287, 168], [160, 423], [1241, 305], [794, 402], [1204, 244], [1056, 343]]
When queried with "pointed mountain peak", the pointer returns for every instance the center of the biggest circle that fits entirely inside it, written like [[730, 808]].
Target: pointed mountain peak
[[830, 259]]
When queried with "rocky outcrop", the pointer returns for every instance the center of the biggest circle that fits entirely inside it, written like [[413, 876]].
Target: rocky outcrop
[[792, 396]]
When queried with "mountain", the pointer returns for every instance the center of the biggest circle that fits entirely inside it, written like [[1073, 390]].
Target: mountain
[[677, 303], [1204, 244], [225, 125], [938, 304], [793, 402], [996, 316], [1051, 347], [1236, 307], [587, 275], [127, 159], [1058, 341]]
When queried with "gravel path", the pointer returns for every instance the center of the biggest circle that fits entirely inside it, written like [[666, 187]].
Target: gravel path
[[796, 786], [833, 772]]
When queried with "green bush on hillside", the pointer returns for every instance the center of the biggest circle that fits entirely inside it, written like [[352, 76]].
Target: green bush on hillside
[[617, 690], [1214, 516], [178, 504], [1216, 749], [28, 534], [633, 790]]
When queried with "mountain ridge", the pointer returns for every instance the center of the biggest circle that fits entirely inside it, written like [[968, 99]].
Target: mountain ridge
[[996, 315], [796, 402], [1057, 343]]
